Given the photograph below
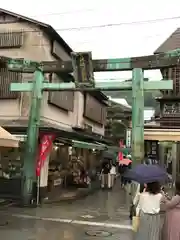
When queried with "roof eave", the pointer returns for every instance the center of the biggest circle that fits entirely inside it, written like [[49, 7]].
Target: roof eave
[[46, 27]]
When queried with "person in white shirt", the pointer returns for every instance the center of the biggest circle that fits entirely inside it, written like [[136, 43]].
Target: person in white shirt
[[112, 175], [148, 210]]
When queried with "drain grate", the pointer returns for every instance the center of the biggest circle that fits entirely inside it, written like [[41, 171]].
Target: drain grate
[[98, 233]]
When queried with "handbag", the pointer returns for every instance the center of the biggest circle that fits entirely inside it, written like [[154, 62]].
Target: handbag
[[135, 223]]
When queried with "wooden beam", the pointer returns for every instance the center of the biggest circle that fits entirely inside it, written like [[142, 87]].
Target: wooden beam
[[147, 62], [120, 64]]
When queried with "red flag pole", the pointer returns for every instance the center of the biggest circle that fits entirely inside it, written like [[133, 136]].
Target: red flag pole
[[44, 149]]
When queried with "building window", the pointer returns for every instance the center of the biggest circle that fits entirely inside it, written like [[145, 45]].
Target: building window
[[11, 39], [61, 99], [6, 78], [94, 110]]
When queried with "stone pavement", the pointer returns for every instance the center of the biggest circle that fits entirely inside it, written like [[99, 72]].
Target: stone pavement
[[23, 229], [72, 194], [104, 210], [104, 205]]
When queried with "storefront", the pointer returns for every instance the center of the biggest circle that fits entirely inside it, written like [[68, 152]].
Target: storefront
[[10, 164], [10, 173], [168, 148], [69, 164], [73, 165], [57, 169]]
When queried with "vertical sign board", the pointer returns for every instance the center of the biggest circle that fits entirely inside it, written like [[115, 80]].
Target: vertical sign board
[[83, 68], [128, 138], [154, 151]]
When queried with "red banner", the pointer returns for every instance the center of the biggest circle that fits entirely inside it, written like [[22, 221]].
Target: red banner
[[120, 155], [44, 149]]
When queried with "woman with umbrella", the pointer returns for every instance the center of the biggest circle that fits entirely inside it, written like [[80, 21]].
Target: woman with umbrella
[[149, 212], [149, 200]]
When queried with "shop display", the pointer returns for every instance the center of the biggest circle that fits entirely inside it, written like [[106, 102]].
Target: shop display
[[10, 164]]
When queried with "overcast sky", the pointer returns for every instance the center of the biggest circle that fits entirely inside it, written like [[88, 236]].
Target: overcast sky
[[123, 40], [106, 42]]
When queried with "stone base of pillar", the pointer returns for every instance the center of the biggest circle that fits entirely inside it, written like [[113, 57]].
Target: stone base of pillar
[[43, 193]]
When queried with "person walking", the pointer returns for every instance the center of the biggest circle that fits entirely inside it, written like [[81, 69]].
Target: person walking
[[171, 228], [112, 175], [122, 170], [105, 175], [150, 224]]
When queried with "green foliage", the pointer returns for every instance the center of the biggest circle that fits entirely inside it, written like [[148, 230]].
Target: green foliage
[[118, 129]]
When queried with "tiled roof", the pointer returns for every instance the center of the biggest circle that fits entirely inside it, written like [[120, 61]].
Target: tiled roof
[[170, 43]]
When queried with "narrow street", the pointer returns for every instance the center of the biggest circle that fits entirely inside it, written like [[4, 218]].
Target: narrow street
[[104, 214]]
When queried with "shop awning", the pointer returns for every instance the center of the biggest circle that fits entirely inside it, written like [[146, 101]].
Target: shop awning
[[88, 145], [109, 155], [99, 146], [7, 139]]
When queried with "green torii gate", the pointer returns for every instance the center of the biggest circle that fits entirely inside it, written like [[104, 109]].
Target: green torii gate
[[83, 67]]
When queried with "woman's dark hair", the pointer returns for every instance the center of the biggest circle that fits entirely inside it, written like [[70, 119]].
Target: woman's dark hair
[[153, 188], [177, 185]]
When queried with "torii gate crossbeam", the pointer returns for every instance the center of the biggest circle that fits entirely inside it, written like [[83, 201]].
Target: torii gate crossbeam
[[168, 59]]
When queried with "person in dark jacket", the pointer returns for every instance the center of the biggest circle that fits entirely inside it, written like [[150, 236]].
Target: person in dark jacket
[[105, 174], [122, 171]]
